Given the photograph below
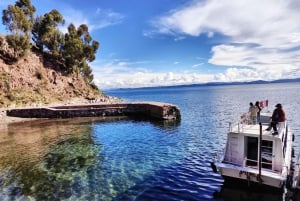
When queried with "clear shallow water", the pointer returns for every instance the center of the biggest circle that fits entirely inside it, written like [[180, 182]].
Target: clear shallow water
[[126, 159]]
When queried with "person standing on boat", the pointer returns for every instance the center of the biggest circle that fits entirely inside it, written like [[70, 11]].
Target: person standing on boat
[[259, 109], [277, 116], [253, 110]]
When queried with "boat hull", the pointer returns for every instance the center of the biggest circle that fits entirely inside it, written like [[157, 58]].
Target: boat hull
[[250, 176]]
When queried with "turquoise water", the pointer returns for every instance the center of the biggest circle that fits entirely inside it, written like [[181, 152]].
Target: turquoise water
[[134, 159]]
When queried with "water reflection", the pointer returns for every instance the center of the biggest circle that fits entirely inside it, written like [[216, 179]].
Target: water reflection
[[46, 159], [64, 159]]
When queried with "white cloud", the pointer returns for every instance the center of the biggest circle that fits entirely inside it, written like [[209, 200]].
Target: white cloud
[[140, 79], [236, 74], [100, 19], [120, 74], [197, 65], [261, 36], [104, 18], [243, 21], [73, 16]]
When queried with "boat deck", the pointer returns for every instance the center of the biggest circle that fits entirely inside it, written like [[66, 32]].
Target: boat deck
[[255, 131]]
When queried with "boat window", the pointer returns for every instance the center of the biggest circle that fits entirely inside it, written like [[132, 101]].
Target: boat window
[[266, 154], [252, 151]]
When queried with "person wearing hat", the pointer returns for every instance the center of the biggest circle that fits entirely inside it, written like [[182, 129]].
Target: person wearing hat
[[277, 116]]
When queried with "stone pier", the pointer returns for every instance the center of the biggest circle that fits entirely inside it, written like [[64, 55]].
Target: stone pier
[[154, 110]]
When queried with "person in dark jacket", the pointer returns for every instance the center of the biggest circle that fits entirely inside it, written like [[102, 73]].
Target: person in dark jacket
[[277, 116], [259, 109]]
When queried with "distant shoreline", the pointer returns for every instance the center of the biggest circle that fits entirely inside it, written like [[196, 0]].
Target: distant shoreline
[[281, 81]]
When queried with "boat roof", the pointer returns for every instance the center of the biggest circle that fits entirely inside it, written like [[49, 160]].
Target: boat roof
[[254, 130]]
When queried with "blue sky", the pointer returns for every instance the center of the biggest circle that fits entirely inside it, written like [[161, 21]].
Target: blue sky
[[172, 42]]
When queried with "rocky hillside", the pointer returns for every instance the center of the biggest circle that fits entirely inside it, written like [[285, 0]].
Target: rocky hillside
[[36, 79]]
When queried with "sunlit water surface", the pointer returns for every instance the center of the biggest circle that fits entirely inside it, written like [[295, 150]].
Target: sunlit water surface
[[130, 159]]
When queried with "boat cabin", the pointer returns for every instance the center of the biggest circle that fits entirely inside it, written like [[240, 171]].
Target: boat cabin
[[243, 146], [253, 153]]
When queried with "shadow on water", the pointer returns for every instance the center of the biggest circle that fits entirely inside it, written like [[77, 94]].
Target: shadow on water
[[229, 193], [163, 124]]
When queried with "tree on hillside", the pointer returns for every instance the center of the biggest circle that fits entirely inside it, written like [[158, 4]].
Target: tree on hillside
[[87, 73], [73, 50], [18, 19], [46, 34], [79, 48]]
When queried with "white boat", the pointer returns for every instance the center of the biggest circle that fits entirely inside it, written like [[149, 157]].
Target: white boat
[[254, 155]]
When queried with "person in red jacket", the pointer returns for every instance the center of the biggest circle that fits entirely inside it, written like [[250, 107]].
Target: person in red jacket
[[277, 116]]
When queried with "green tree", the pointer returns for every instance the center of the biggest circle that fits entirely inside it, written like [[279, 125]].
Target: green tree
[[20, 44], [87, 73], [75, 48], [72, 48], [46, 34], [79, 48], [18, 19]]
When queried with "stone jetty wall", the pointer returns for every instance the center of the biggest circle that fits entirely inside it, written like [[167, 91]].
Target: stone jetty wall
[[156, 110]]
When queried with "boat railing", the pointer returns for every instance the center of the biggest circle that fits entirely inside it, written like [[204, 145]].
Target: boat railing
[[238, 125], [245, 119], [281, 126]]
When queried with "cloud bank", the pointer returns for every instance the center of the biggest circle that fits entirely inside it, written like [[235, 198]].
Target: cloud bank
[[260, 41], [120, 74], [261, 38]]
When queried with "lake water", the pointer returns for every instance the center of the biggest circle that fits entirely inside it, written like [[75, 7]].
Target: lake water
[[133, 159]]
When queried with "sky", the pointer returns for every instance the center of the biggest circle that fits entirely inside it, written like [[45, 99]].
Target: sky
[[147, 43]]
